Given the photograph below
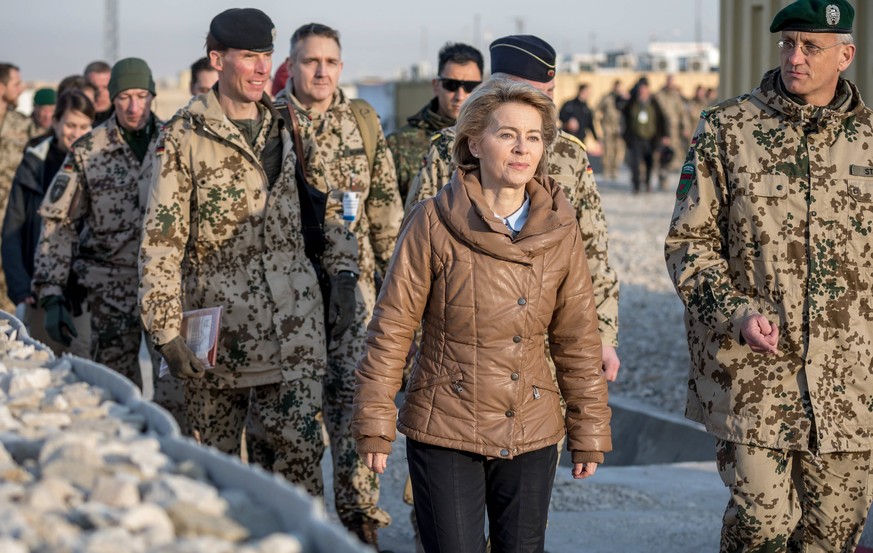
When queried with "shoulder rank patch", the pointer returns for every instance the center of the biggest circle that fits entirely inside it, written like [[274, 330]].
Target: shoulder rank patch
[[436, 136], [725, 104], [685, 181], [58, 188], [574, 139]]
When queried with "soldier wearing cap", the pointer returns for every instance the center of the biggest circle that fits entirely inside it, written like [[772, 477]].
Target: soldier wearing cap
[[531, 60], [44, 101], [771, 249], [92, 217], [223, 229]]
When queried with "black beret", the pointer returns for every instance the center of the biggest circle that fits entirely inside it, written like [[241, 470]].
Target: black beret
[[815, 16], [524, 56], [244, 29]]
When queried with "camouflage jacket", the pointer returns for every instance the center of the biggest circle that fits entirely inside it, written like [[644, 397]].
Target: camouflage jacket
[[568, 166], [15, 130], [609, 114], [344, 167], [774, 215], [410, 143], [92, 218], [217, 234], [676, 115]]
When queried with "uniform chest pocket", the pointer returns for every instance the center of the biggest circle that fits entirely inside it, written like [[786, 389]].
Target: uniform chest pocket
[[859, 222], [114, 203], [759, 225], [221, 209]]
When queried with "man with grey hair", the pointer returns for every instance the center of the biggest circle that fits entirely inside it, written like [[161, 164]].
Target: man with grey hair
[[771, 249]]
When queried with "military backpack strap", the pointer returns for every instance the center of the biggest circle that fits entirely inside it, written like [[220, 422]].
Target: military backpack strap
[[368, 124], [313, 205]]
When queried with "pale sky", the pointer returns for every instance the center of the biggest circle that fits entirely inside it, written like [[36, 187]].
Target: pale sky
[[50, 39]]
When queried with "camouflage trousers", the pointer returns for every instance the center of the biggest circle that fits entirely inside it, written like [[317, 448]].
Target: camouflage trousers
[[613, 152], [785, 500], [355, 487], [5, 303], [286, 414], [116, 338]]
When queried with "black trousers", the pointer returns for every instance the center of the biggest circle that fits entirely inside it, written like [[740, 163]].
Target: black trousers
[[640, 157], [453, 488]]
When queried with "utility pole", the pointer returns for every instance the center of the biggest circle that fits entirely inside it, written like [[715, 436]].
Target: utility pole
[[110, 31]]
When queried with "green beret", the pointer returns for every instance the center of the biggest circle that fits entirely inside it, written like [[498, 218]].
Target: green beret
[[244, 29], [45, 97], [130, 73], [815, 16], [525, 56]]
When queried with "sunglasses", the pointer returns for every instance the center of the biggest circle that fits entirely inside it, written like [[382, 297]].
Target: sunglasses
[[452, 85]]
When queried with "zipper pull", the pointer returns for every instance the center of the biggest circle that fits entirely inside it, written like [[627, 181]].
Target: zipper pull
[[536, 392], [456, 384]]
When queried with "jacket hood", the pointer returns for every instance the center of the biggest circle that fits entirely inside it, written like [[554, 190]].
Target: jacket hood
[[462, 207], [429, 118], [769, 94]]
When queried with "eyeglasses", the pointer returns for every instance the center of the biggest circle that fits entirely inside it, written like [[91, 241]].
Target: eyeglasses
[[808, 49], [452, 85]]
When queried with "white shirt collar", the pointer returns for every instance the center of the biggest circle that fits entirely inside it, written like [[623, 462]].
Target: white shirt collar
[[516, 221]]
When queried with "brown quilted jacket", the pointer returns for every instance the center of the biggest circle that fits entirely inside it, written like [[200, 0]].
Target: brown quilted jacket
[[480, 381]]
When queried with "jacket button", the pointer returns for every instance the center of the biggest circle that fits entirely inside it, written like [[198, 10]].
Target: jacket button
[[504, 453], [813, 213], [514, 376], [516, 339], [522, 301], [510, 413]]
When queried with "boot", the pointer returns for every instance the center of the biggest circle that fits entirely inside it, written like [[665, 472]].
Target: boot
[[368, 533]]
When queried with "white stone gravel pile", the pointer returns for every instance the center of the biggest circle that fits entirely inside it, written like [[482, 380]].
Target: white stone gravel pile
[[652, 340], [79, 475]]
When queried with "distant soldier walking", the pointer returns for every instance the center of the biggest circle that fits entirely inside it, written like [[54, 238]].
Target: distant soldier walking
[[609, 114], [770, 250]]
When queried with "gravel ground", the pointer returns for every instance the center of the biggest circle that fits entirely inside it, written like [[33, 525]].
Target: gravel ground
[[652, 343]]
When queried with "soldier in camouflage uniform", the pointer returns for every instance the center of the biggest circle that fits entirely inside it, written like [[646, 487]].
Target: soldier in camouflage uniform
[[521, 58], [328, 119], [92, 218], [677, 126], [770, 248], [223, 228], [15, 130], [609, 114], [459, 71]]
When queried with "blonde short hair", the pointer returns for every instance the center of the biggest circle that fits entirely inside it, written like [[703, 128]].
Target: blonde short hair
[[476, 113]]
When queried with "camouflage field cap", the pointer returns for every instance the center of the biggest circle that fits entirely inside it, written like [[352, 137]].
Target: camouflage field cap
[[244, 29], [815, 16], [525, 56]]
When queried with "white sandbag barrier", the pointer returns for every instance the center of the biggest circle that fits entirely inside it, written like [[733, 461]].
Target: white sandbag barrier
[[87, 465]]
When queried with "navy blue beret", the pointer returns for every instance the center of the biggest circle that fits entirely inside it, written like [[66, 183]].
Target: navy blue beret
[[524, 56]]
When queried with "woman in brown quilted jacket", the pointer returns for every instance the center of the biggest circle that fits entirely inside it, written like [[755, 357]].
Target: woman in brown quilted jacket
[[488, 267]]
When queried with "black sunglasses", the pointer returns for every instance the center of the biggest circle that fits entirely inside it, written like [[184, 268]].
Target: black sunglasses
[[452, 85]]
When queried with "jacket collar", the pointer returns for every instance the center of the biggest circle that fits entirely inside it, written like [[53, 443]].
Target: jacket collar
[[828, 117], [207, 110], [429, 118], [462, 207]]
